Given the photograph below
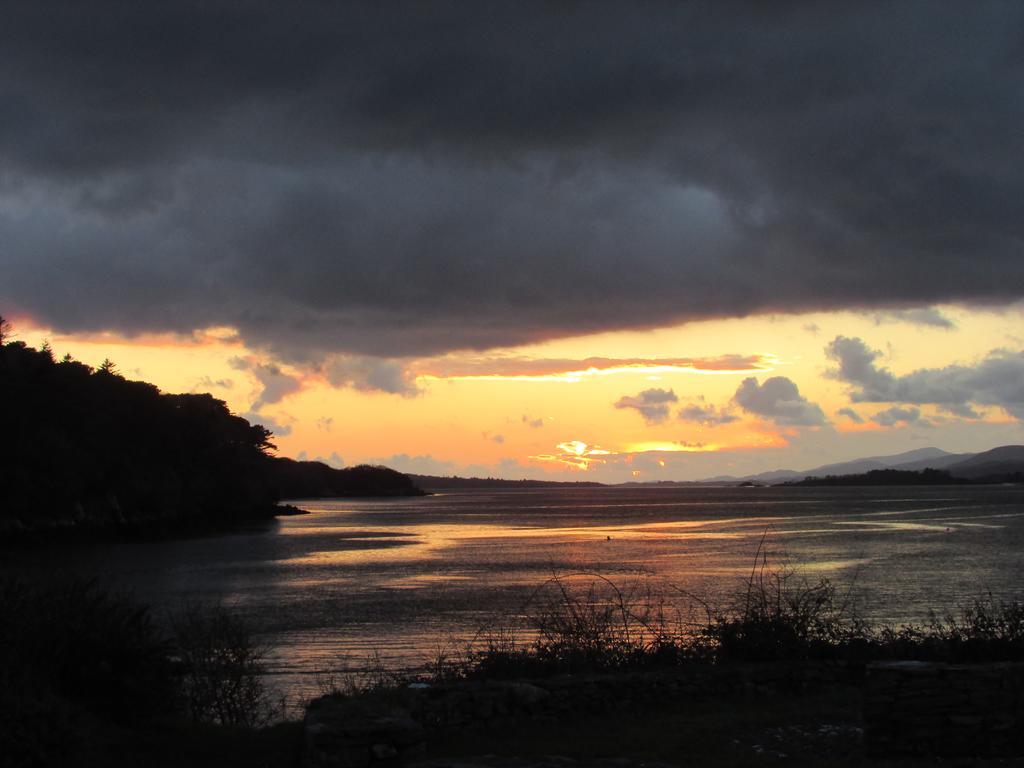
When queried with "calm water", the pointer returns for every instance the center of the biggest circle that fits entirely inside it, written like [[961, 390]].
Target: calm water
[[402, 577]]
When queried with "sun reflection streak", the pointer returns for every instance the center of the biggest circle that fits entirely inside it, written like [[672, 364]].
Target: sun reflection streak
[[430, 541]]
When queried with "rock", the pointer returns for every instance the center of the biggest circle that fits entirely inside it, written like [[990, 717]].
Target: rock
[[527, 694], [340, 733], [383, 752], [944, 710]]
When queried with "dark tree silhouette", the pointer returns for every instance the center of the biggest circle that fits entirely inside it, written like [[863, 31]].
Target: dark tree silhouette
[[86, 448]]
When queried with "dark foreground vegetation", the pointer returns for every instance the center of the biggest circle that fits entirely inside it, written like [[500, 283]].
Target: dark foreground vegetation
[[777, 617], [86, 674], [779, 673], [87, 449], [91, 678]]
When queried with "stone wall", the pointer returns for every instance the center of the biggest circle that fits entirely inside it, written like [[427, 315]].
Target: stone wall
[[391, 727], [910, 708], [948, 710]]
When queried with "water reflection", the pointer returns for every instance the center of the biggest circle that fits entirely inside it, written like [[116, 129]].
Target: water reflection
[[403, 576]]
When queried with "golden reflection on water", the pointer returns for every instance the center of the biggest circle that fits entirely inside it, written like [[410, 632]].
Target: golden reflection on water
[[405, 576], [429, 541], [424, 542]]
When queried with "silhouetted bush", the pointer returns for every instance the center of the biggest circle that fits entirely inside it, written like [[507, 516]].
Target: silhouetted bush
[[987, 629], [782, 616], [79, 642], [72, 648], [565, 628], [72, 653], [220, 668], [775, 616]]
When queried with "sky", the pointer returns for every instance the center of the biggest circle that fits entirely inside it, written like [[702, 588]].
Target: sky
[[566, 240]]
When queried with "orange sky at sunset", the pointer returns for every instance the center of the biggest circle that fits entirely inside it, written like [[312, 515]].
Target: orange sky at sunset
[[576, 409], [602, 240]]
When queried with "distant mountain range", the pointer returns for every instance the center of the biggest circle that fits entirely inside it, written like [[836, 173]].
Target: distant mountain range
[[997, 465], [1006, 460]]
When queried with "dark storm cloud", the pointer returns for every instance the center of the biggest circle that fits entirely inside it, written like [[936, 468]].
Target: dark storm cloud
[[997, 379], [400, 179], [779, 400]]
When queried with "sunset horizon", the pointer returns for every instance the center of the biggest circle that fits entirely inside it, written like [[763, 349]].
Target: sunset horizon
[[494, 384], [667, 404]]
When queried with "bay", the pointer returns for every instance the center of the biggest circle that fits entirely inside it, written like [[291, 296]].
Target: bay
[[403, 580]]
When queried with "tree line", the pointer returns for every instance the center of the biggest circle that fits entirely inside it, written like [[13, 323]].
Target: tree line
[[88, 448]]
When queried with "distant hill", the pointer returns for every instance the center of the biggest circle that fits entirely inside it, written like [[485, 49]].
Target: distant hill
[[291, 479], [939, 462], [929, 457], [1003, 464], [896, 469], [88, 449], [437, 483]]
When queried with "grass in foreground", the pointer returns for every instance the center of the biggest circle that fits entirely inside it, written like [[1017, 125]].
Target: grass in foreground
[[86, 678], [777, 616]]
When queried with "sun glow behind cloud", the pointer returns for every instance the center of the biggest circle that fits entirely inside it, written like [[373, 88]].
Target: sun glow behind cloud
[[575, 454], [662, 446], [461, 397], [574, 371]]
